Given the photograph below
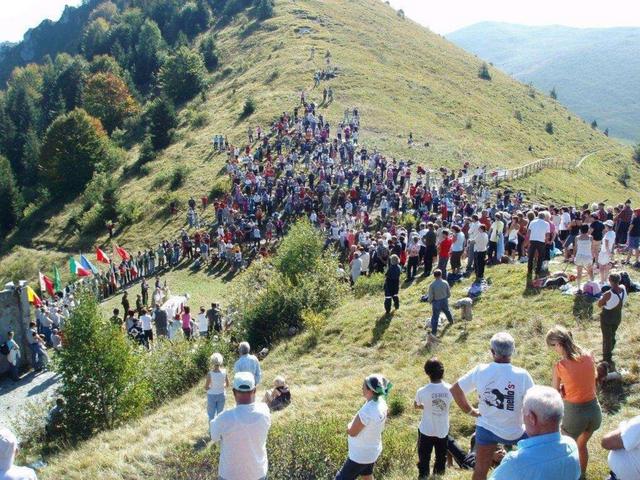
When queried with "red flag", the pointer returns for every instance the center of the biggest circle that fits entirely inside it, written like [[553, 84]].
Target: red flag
[[46, 284], [124, 255], [33, 298], [134, 271], [102, 257]]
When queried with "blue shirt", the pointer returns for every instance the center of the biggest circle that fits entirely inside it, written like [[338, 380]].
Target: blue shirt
[[543, 457], [249, 363]]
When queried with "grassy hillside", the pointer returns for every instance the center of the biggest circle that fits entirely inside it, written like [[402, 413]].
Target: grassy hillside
[[595, 71], [403, 79], [326, 378]]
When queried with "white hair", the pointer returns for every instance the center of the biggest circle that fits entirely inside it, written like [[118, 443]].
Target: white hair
[[216, 359], [503, 344], [545, 402], [244, 348]]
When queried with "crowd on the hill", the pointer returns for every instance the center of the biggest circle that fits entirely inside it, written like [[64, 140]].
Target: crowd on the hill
[[390, 217]]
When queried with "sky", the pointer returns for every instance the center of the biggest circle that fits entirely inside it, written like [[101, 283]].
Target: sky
[[17, 16], [446, 16]]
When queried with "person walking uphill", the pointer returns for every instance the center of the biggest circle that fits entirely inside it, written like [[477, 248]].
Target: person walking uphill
[[439, 293], [501, 389], [242, 433], [392, 284], [365, 430], [611, 303]]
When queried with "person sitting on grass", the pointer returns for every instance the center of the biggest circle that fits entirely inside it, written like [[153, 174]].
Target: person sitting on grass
[[624, 446], [434, 399], [279, 396]]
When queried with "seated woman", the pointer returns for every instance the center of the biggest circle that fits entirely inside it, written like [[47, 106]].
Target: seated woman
[[279, 396]]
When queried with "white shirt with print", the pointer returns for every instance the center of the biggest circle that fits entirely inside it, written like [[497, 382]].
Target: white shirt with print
[[435, 399]]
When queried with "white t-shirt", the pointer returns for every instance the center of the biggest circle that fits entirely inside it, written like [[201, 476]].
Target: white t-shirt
[[217, 382], [482, 241], [565, 220], [626, 463], [610, 236], [474, 228], [366, 447], [501, 388], [436, 400], [539, 228], [146, 322], [18, 473], [203, 322], [242, 432]]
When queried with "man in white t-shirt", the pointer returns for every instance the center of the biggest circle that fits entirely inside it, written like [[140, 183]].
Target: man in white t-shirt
[[145, 321], [8, 449], [501, 388], [606, 251], [539, 232], [434, 399], [242, 432], [624, 443]]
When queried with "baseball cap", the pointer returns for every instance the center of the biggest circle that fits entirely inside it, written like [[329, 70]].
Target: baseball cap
[[244, 382], [609, 223]]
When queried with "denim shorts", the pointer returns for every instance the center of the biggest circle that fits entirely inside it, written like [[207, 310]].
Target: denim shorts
[[487, 437]]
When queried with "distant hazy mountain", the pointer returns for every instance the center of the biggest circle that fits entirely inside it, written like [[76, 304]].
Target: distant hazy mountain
[[595, 71]]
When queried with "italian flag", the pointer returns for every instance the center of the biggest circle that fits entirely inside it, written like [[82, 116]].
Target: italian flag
[[77, 270]]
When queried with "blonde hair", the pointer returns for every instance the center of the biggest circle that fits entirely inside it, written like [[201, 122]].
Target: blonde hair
[[561, 336], [216, 360]]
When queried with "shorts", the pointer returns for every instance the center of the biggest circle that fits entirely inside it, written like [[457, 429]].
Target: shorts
[[148, 334], [581, 417], [604, 258], [634, 243], [583, 260], [487, 437], [352, 470]]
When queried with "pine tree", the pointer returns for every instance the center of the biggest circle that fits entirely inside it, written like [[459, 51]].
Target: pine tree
[[553, 94], [483, 72], [264, 9], [636, 153], [594, 124], [10, 198], [549, 128], [209, 53], [162, 122], [148, 54]]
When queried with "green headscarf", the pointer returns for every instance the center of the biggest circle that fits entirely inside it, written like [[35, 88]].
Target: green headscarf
[[379, 385]]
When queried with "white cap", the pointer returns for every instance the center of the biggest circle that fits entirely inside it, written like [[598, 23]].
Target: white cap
[[244, 382], [609, 223]]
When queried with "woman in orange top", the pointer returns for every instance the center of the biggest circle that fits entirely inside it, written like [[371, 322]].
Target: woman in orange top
[[575, 378]]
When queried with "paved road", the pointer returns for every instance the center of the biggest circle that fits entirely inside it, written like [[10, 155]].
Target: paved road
[[31, 388]]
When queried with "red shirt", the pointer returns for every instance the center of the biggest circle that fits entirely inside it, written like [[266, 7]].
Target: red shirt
[[445, 247]]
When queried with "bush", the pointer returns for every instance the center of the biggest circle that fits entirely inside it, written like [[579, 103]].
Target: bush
[[248, 109], [483, 72], [99, 373], [625, 176], [273, 295], [147, 152], [183, 75], [553, 94], [400, 13], [313, 322], [209, 53], [264, 9], [636, 153], [178, 176], [549, 128], [220, 188], [92, 220], [518, 116], [129, 213], [594, 124], [371, 285], [397, 404]]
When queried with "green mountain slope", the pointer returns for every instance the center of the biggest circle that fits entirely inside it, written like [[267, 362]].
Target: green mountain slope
[[596, 72], [403, 79]]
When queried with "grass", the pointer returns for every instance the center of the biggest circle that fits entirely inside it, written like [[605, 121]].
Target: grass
[[357, 340]]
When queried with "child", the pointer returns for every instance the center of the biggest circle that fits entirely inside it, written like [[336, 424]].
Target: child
[[434, 399]]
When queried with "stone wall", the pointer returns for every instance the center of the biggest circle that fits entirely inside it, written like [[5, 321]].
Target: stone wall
[[15, 314]]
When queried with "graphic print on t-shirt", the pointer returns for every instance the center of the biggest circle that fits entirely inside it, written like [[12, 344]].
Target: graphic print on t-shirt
[[500, 398], [438, 406]]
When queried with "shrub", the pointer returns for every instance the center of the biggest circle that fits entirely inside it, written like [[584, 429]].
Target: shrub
[[183, 75], [129, 213], [531, 91], [468, 124], [272, 77], [636, 153], [408, 221], [553, 94], [198, 119], [248, 108], [400, 13], [162, 122], [397, 404], [548, 127], [594, 124], [371, 285], [264, 9], [220, 187], [147, 152], [518, 116], [92, 220], [625, 176], [483, 72], [209, 53], [313, 322], [99, 373], [178, 176]]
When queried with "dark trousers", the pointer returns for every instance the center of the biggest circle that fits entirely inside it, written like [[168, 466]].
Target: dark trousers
[[387, 303], [608, 326], [412, 267], [493, 250], [429, 253], [438, 307], [538, 250], [481, 261], [520, 246], [425, 446]]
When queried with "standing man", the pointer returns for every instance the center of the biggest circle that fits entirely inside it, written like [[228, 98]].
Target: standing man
[[611, 303], [214, 319], [430, 249], [147, 330], [545, 454], [439, 293], [474, 229], [161, 321], [539, 231], [242, 432], [501, 389], [125, 304], [248, 363], [39, 357], [13, 357]]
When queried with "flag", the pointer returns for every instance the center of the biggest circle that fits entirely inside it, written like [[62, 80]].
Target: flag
[[134, 270], [46, 284], [57, 282], [33, 298], [77, 270], [88, 265], [124, 255], [102, 257]]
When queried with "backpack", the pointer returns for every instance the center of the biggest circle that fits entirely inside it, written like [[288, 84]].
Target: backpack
[[4, 349]]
